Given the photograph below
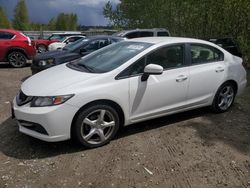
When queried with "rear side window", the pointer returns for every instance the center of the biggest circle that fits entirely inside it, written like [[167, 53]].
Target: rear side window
[[205, 54], [162, 34], [146, 34], [6, 35]]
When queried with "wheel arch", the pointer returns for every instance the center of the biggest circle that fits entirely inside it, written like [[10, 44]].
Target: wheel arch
[[16, 50], [101, 101], [234, 83]]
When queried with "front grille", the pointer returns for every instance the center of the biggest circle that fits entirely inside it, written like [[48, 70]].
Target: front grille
[[22, 99]]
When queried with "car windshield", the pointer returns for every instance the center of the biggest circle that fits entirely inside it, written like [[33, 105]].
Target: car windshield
[[75, 45], [111, 57]]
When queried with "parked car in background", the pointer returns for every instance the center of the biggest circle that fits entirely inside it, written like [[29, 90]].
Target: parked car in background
[[64, 42], [42, 44], [125, 83], [71, 52], [228, 44], [15, 47], [137, 33]]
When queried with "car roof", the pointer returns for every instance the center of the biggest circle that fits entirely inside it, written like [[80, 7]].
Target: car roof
[[124, 32], [63, 33], [10, 31], [104, 37], [168, 40]]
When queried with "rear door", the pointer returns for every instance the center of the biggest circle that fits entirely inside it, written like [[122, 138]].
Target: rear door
[[206, 71]]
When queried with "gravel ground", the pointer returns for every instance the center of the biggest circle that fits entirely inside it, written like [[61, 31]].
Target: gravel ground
[[191, 149]]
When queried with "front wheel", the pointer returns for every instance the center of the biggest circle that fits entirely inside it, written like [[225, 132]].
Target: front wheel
[[224, 97], [17, 59], [96, 125]]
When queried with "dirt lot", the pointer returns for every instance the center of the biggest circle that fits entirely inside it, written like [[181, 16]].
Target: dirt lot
[[191, 149]]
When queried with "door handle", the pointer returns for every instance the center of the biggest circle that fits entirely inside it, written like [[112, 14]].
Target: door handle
[[181, 78], [219, 69]]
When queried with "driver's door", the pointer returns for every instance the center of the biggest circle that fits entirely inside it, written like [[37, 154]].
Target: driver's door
[[160, 94]]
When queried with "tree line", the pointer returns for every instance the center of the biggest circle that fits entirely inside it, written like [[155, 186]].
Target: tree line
[[187, 18], [22, 22]]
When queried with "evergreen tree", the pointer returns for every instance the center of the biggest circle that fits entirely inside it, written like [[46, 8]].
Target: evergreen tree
[[4, 22], [21, 18]]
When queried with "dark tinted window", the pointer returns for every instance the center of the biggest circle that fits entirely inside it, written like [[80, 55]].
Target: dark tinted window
[[95, 45], [132, 35], [6, 35], [205, 54], [162, 33], [167, 57], [146, 34]]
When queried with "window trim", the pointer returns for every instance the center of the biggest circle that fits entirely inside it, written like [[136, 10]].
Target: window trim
[[185, 60], [189, 45]]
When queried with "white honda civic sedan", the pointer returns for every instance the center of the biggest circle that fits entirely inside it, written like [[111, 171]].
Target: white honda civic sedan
[[125, 83]]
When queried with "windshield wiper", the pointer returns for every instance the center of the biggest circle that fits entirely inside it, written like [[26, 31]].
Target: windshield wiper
[[90, 69]]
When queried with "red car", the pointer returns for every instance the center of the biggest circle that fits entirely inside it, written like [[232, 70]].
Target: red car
[[15, 47], [42, 44]]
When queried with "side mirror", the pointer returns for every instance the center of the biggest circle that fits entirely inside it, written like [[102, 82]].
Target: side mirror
[[151, 69]]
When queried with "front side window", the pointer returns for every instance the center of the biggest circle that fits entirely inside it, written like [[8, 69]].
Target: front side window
[[205, 54], [146, 34], [132, 35], [167, 57]]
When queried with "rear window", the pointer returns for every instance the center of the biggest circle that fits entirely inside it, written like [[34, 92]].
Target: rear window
[[6, 35]]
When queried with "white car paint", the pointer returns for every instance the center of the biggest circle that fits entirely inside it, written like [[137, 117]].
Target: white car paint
[[173, 91], [60, 45]]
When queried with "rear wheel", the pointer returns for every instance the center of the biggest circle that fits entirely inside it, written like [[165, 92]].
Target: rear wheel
[[17, 59], [224, 97], [96, 125]]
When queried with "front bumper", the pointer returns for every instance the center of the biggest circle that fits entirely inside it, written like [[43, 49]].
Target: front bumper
[[56, 120]]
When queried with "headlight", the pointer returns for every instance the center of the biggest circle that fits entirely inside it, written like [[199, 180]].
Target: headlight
[[46, 62], [49, 101]]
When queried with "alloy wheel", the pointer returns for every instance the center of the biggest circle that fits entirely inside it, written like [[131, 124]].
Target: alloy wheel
[[17, 59], [98, 126], [226, 97]]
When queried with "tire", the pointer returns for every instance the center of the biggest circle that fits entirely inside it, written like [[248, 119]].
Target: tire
[[224, 98], [96, 125], [41, 48], [17, 59]]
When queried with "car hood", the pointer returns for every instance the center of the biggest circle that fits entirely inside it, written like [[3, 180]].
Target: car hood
[[56, 54], [47, 82]]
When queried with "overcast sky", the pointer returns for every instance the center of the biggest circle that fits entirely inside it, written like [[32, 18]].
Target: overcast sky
[[89, 11]]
